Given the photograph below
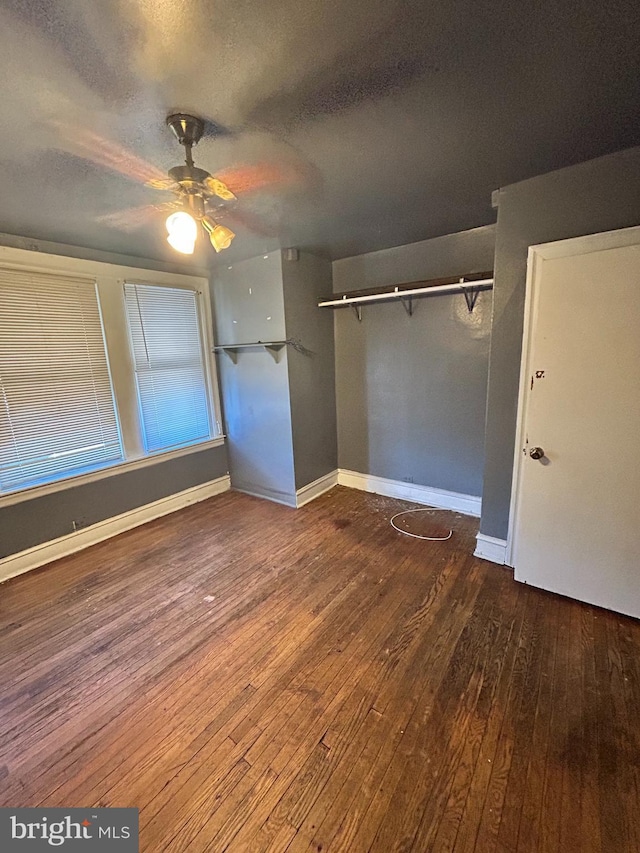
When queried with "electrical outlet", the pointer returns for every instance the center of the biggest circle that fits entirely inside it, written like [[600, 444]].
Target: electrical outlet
[[78, 523], [408, 479]]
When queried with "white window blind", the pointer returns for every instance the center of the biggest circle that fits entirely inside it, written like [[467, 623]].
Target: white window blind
[[57, 412], [166, 342]]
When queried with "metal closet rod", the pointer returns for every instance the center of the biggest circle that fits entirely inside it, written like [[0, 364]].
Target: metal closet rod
[[456, 287]]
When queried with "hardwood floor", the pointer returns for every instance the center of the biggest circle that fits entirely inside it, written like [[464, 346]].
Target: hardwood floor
[[255, 678]]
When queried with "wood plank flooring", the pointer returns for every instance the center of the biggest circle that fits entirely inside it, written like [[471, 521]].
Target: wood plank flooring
[[255, 678]]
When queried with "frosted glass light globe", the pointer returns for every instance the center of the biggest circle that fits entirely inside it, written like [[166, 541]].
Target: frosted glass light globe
[[183, 231]]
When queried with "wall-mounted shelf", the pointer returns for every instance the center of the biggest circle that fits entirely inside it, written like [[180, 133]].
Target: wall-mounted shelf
[[469, 285], [232, 350]]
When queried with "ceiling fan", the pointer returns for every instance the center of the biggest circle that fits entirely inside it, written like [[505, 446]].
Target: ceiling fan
[[198, 193], [201, 200]]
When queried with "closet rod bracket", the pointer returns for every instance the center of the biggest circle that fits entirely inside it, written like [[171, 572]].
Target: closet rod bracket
[[471, 297], [407, 304]]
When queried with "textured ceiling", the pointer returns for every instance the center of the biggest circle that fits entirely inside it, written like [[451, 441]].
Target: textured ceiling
[[344, 125]]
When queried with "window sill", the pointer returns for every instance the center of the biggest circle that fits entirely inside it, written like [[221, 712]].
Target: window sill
[[102, 474]]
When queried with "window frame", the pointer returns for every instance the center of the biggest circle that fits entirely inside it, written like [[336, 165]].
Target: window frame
[[110, 278], [212, 416]]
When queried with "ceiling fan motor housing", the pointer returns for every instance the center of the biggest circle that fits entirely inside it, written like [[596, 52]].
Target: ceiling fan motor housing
[[189, 176], [191, 182]]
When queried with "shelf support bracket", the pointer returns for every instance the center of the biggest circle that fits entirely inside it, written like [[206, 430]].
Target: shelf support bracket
[[407, 304], [358, 311], [232, 354], [274, 351]]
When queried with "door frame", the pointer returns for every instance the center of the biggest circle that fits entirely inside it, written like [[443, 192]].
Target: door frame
[[570, 247]]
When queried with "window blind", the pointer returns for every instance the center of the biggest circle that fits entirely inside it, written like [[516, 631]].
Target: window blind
[[57, 411], [164, 329]]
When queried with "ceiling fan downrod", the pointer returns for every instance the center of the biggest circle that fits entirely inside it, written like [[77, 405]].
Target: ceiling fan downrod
[[188, 131]]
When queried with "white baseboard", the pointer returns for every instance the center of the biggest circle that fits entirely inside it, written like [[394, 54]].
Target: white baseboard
[[302, 496], [318, 487], [490, 548], [441, 498], [32, 558], [267, 495]]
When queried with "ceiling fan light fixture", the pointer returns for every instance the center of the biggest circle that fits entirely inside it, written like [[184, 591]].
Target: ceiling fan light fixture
[[220, 235], [183, 231]]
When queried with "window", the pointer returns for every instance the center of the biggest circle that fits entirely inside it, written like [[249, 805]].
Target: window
[[101, 366], [57, 413], [164, 329]]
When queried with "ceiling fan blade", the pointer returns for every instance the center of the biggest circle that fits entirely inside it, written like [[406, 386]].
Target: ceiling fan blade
[[91, 146], [220, 189], [163, 184], [260, 176], [135, 217]]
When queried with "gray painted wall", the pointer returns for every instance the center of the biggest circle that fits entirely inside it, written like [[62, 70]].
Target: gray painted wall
[[32, 522], [311, 377], [411, 391], [601, 195], [248, 301], [453, 254], [30, 244], [249, 306]]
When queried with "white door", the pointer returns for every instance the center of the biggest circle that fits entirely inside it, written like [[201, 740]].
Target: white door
[[576, 510]]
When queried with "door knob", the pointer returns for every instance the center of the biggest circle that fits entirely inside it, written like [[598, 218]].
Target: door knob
[[536, 453]]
